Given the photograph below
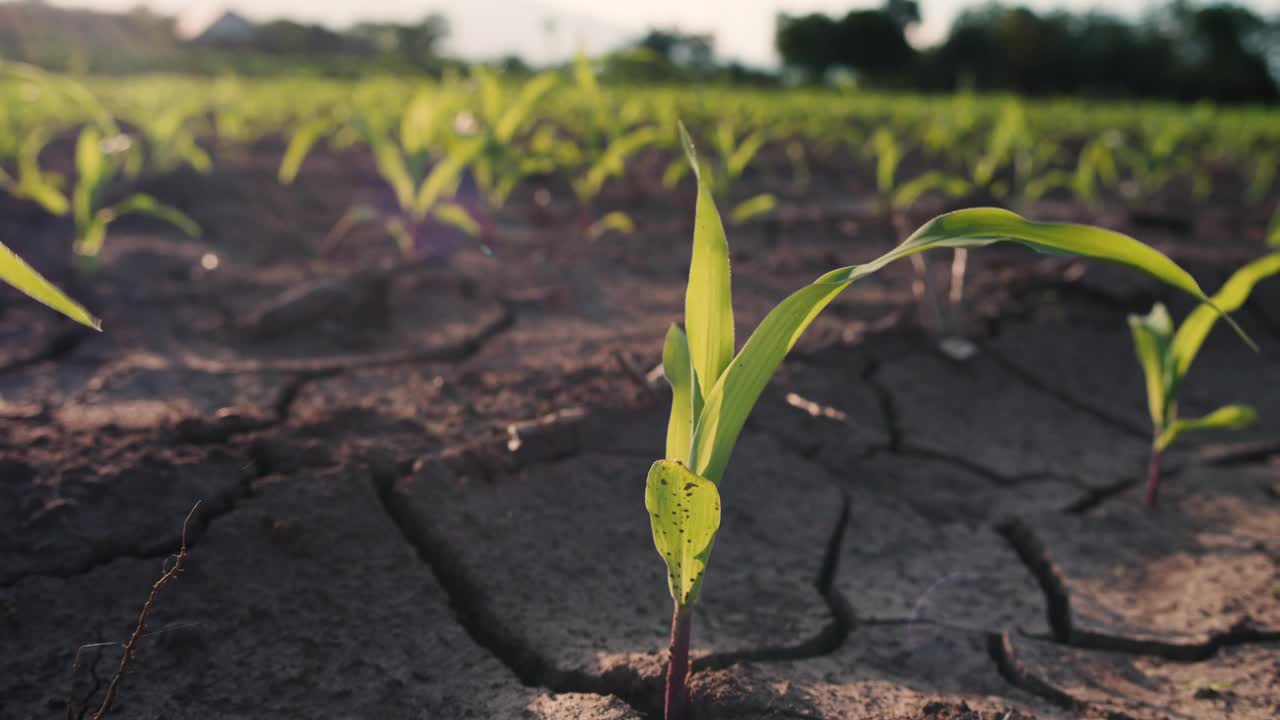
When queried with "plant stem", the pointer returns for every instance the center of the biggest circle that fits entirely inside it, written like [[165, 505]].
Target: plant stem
[[678, 664], [1153, 478]]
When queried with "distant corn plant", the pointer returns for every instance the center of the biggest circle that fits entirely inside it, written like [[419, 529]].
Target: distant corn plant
[[96, 167], [605, 138], [102, 156], [1166, 356], [413, 157], [714, 390]]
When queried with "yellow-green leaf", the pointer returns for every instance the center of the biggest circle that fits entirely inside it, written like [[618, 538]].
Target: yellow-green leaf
[[299, 145], [90, 167], [912, 190], [143, 204], [457, 216], [679, 373], [444, 177], [1231, 417], [684, 511], [22, 276], [708, 308], [752, 207], [1234, 292], [1152, 335], [616, 221]]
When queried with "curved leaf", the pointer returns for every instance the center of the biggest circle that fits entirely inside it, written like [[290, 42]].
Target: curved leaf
[[735, 393], [143, 204], [684, 512], [753, 206], [912, 190], [299, 146], [1234, 292], [1230, 417], [456, 216], [518, 111], [615, 221]]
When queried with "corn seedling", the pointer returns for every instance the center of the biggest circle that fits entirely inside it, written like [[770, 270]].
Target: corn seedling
[[402, 151], [1166, 356], [96, 166], [496, 126], [714, 390], [605, 141]]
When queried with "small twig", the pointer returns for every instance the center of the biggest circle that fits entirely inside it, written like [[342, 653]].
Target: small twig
[[635, 374], [130, 647]]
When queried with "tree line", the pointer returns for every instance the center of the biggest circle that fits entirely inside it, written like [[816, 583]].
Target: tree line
[[1177, 51]]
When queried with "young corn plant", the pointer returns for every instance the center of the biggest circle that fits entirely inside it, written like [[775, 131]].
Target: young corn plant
[[714, 390], [403, 148], [1166, 356], [96, 167]]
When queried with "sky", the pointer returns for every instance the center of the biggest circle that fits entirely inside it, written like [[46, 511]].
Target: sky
[[550, 30]]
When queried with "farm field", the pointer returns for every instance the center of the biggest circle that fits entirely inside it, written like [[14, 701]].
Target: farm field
[[403, 343]]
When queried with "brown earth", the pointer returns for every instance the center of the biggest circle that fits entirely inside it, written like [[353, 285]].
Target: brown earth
[[420, 489]]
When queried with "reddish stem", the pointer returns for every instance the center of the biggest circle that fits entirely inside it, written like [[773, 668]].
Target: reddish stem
[[1153, 478], [678, 664], [584, 220]]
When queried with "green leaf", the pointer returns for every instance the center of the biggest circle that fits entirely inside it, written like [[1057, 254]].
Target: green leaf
[[1231, 417], [731, 399], [751, 207], [299, 145], [392, 168], [90, 168], [418, 122], [735, 393], [684, 511], [92, 234], [1234, 292], [737, 161], [887, 157], [678, 370], [400, 234], [143, 204], [22, 276], [1273, 231], [616, 221], [584, 75], [674, 173], [1152, 337], [520, 108], [457, 216], [33, 183], [909, 192], [708, 308], [444, 177]]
